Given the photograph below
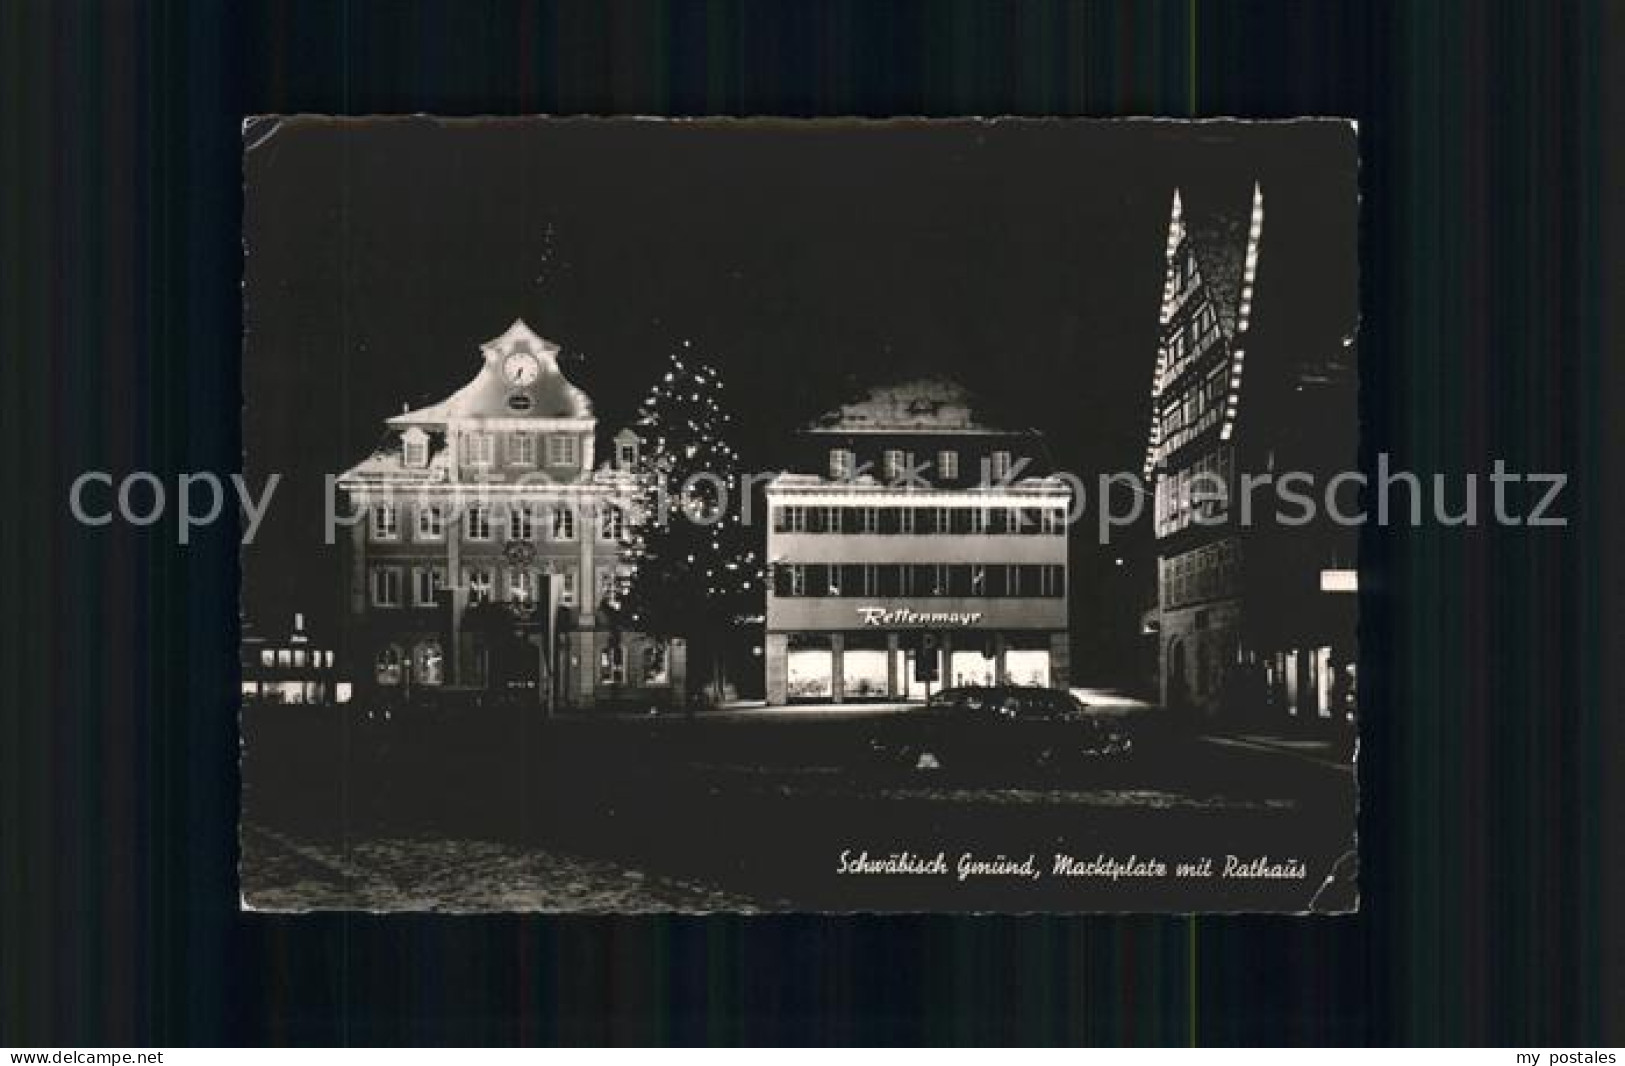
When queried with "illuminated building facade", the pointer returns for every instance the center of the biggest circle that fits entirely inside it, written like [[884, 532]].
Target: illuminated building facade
[[485, 538], [929, 549], [1253, 618]]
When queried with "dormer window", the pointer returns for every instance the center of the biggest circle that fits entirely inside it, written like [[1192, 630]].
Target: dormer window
[[841, 462], [893, 464], [626, 451], [1000, 465], [415, 448]]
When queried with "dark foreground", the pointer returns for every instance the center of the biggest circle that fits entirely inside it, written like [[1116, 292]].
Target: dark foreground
[[508, 812]]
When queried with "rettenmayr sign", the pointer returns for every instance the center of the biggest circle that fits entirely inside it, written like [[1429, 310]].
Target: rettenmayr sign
[[902, 616]]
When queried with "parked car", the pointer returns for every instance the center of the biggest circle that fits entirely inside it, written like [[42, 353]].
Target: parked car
[[972, 730]]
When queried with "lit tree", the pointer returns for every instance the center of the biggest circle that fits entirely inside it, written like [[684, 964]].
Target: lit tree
[[695, 571]]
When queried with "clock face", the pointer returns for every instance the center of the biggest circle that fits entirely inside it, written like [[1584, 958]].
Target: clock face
[[520, 368]]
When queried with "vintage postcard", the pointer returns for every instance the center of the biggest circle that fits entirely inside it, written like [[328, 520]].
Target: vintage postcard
[[762, 515]]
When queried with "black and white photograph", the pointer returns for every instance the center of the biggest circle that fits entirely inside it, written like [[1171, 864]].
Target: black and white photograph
[[835, 516]]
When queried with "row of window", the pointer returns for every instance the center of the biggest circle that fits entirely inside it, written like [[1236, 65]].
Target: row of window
[[1207, 573], [479, 520], [916, 579], [428, 664], [479, 448], [389, 584], [319, 658], [1198, 490], [897, 463], [1048, 521]]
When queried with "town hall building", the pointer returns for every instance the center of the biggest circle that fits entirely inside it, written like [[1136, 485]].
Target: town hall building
[[487, 537]]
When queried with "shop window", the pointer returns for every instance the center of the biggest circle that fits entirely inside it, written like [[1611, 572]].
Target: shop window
[[428, 665], [656, 665], [387, 667], [810, 673], [612, 665]]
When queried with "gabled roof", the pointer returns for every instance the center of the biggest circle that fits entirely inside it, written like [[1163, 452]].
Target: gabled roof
[[491, 395], [1222, 241]]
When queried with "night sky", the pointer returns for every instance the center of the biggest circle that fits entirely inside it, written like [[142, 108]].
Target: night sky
[[1023, 258]]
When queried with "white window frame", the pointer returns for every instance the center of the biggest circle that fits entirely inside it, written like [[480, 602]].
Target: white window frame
[[521, 522], [563, 449], [477, 522], [480, 584], [567, 586], [522, 448], [841, 464], [437, 581], [948, 464], [562, 523], [892, 464], [414, 449], [386, 521], [386, 586], [521, 586], [431, 522], [611, 523], [798, 580], [478, 448]]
